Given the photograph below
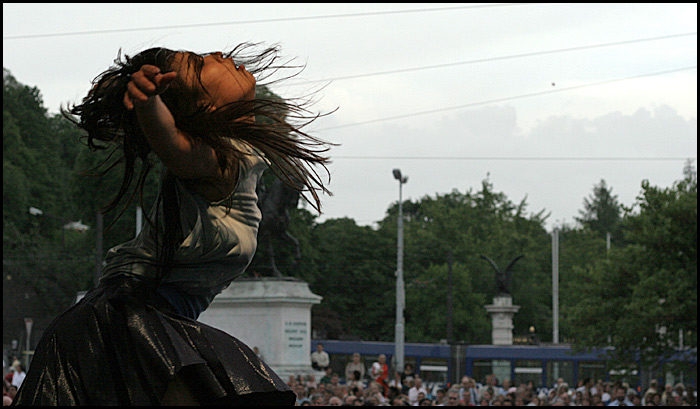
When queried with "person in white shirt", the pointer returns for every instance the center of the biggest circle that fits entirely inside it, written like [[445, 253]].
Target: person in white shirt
[[415, 390], [18, 376], [319, 358]]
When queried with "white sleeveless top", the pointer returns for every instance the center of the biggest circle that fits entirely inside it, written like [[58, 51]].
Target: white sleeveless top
[[219, 242]]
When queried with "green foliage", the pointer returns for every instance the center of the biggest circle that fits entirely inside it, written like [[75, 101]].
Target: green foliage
[[355, 280], [645, 293], [44, 265], [426, 306], [601, 212]]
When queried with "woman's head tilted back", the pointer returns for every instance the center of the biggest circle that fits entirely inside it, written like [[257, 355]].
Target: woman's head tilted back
[[212, 98]]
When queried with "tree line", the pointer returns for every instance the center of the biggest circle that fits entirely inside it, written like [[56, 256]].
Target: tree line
[[639, 295]]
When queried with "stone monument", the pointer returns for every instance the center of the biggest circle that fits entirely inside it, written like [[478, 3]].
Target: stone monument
[[502, 310], [273, 314]]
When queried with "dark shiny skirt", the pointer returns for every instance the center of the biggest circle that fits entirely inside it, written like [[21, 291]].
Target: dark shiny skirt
[[122, 344]]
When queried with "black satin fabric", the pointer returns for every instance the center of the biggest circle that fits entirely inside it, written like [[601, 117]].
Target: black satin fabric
[[122, 344]]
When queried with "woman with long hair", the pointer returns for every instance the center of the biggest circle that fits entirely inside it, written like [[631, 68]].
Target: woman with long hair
[[134, 339]]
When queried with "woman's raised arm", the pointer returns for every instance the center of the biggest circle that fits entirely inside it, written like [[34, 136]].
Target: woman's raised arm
[[184, 156]]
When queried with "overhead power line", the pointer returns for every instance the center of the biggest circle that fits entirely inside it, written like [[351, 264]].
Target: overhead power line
[[499, 58], [504, 99], [269, 20]]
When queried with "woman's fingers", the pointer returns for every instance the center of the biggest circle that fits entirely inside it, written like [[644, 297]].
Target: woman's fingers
[[162, 81], [136, 92], [145, 83], [127, 102]]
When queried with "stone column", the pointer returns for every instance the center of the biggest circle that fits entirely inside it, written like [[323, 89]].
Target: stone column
[[502, 311], [273, 314]]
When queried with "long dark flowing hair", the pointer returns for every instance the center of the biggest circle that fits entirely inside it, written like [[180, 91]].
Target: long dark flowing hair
[[277, 132]]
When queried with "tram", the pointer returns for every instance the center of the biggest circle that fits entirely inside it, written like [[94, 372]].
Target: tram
[[542, 364]]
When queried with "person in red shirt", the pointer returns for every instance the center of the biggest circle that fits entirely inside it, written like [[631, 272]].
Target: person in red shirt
[[380, 373]]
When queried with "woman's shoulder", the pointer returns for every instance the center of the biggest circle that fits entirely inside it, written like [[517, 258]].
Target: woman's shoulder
[[250, 162]]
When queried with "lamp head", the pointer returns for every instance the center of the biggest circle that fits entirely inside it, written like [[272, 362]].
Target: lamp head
[[397, 174]]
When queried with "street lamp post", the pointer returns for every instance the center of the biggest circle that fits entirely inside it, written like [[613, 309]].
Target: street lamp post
[[400, 291]]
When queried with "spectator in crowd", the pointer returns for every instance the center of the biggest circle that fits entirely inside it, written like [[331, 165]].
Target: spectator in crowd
[[300, 392], [408, 372], [327, 377], [467, 398], [620, 397], [635, 399], [317, 400], [376, 393], [354, 365], [678, 393], [468, 385], [12, 392], [482, 388], [491, 381], [415, 390], [19, 375], [355, 381], [452, 397], [335, 380], [310, 381], [506, 387], [6, 399], [652, 390], [335, 401], [425, 402], [319, 358], [440, 397], [564, 397], [597, 401], [667, 395], [380, 373]]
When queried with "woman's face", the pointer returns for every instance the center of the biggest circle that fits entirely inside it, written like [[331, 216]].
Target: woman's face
[[221, 79]]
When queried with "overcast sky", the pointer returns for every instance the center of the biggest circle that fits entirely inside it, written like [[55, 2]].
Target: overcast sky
[[523, 82]]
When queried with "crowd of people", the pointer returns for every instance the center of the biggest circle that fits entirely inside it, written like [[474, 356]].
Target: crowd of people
[[373, 386], [12, 380]]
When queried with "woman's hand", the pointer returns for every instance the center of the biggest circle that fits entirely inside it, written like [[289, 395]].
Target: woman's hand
[[146, 83]]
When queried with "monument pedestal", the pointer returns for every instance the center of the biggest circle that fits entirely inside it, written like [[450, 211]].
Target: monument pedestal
[[273, 314], [502, 311]]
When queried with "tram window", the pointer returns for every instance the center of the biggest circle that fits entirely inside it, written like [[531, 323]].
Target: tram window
[[560, 369], [498, 367], [433, 370], [527, 370], [591, 369]]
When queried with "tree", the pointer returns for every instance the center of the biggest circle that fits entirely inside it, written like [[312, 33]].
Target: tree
[[43, 265], [645, 294], [355, 279], [601, 211], [471, 224]]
